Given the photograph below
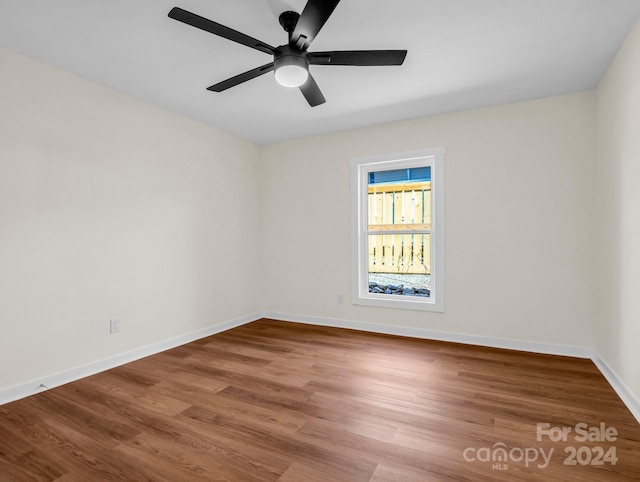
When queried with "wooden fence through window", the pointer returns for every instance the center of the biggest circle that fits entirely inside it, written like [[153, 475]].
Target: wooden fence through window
[[400, 207]]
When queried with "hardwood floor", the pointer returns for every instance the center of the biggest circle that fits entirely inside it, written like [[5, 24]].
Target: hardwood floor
[[276, 401]]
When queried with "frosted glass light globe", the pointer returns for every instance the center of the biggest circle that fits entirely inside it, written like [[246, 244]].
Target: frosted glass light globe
[[291, 75]]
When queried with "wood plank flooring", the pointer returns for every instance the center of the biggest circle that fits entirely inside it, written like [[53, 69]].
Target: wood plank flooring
[[276, 401]]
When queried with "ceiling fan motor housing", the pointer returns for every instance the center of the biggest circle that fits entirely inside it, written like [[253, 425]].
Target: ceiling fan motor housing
[[285, 55]]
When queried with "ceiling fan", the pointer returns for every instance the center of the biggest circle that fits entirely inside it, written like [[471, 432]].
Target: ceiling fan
[[291, 61]]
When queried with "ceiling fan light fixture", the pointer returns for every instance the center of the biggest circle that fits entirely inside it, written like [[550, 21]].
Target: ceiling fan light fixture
[[291, 70], [291, 61]]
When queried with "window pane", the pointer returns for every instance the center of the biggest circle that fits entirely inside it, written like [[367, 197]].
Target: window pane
[[399, 203], [400, 175], [400, 264]]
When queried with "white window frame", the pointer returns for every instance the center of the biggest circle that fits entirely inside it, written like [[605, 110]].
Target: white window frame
[[360, 169]]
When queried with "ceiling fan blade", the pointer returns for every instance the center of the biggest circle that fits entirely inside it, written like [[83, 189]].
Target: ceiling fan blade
[[358, 57], [312, 19], [217, 29], [312, 92], [239, 79]]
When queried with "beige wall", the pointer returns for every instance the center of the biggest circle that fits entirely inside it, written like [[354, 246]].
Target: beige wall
[[618, 174], [110, 207], [519, 224]]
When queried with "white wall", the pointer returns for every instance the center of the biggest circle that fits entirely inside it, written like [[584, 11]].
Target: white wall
[[110, 207], [618, 174], [519, 224]]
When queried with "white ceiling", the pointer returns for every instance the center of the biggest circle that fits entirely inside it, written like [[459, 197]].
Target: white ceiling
[[462, 54]]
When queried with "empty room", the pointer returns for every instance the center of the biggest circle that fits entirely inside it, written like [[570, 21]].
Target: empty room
[[319, 240]]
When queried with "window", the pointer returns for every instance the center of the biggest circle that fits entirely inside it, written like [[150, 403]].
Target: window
[[398, 230]]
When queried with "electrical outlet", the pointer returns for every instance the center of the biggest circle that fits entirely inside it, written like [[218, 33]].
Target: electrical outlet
[[114, 326], [340, 298]]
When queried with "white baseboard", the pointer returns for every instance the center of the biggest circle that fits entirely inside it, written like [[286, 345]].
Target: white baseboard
[[34, 386], [50, 381], [509, 344], [626, 395]]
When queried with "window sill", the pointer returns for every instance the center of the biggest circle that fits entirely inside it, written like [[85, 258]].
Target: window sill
[[399, 302]]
